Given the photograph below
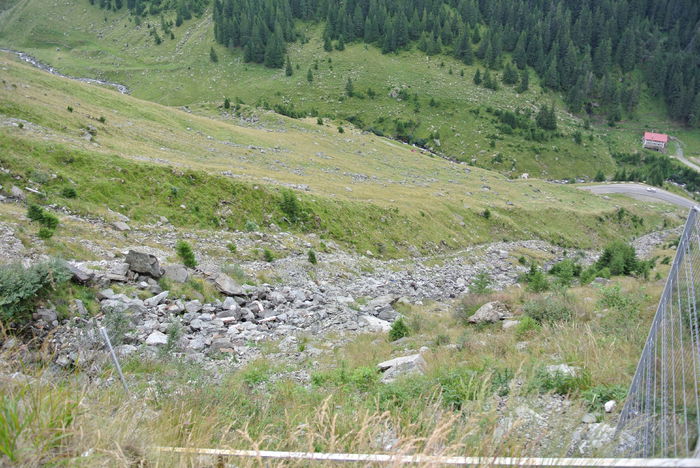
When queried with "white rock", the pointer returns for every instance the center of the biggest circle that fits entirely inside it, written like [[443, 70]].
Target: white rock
[[157, 339], [562, 369], [406, 365], [507, 324], [375, 324], [610, 406]]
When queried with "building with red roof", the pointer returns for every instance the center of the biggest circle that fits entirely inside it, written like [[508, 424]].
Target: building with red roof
[[655, 141]]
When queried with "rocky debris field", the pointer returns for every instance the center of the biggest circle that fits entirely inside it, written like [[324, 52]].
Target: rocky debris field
[[344, 293]]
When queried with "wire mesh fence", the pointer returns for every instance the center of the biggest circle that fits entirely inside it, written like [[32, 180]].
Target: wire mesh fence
[[661, 416]]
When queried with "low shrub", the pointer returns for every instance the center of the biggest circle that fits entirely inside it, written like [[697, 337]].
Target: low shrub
[[561, 383], [21, 289], [312, 257], [45, 233], [481, 284], [550, 309], [268, 255], [565, 271], [527, 326], [251, 226], [597, 396], [69, 192], [184, 251], [398, 330], [232, 247], [47, 220], [536, 280]]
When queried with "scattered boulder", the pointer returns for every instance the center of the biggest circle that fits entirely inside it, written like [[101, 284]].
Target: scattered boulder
[[155, 300], [401, 366], [610, 406], [491, 312], [376, 324], [228, 286], [121, 226], [143, 262], [192, 307], [80, 275], [47, 315], [508, 324], [18, 193], [157, 338], [562, 369], [177, 273]]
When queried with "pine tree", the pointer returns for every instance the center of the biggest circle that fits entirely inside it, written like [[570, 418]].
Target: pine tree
[[547, 118], [327, 45], [524, 81], [288, 71], [274, 50], [212, 55], [477, 77], [520, 54], [551, 77], [694, 116], [341, 43], [510, 76], [349, 88], [309, 76]]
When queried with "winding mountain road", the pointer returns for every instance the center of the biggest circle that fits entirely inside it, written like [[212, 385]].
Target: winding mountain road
[[681, 157], [642, 192]]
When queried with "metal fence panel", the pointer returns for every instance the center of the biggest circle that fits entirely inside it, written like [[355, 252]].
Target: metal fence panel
[[661, 416]]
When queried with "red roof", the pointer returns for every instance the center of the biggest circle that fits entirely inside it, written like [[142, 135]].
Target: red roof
[[659, 137]]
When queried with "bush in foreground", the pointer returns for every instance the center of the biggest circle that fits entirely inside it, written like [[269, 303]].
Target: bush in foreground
[[22, 288]]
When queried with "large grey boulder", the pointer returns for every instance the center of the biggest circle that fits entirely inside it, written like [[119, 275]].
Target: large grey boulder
[[401, 366], [228, 286], [491, 312], [177, 273], [80, 275], [143, 262]]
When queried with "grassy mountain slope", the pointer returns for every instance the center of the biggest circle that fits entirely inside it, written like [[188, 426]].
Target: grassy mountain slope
[[147, 160], [86, 41]]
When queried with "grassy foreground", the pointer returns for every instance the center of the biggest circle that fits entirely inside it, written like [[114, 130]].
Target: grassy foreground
[[476, 378]]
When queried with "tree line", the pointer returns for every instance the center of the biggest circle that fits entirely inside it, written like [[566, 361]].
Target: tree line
[[598, 53]]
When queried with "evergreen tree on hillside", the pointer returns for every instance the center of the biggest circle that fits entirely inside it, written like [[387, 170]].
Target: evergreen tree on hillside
[[349, 88], [547, 118], [288, 70], [274, 51], [477, 77], [212, 55], [524, 81], [510, 76]]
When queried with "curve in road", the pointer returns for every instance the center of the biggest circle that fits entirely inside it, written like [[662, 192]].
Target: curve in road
[[642, 192], [681, 157]]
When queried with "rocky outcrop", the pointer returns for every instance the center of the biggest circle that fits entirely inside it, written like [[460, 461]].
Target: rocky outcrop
[[227, 286], [143, 262], [402, 366], [491, 312]]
